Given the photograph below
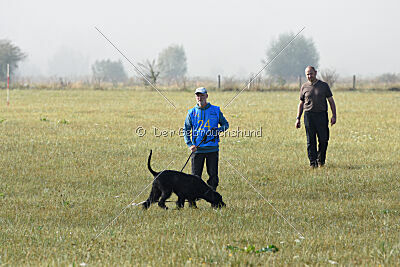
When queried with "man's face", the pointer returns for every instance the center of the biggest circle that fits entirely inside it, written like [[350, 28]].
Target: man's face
[[201, 99], [311, 75]]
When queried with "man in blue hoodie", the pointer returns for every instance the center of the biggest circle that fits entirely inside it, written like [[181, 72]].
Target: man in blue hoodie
[[204, 119]]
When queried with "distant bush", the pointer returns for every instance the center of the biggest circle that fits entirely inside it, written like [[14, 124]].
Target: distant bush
[[329, 76], [388, 78], [230, 83], [108, 71]]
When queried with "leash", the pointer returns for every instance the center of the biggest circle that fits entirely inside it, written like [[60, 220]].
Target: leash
[[133, 204], [204, 138]]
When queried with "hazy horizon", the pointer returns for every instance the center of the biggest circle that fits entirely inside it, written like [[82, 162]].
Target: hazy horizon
[[219, 37]]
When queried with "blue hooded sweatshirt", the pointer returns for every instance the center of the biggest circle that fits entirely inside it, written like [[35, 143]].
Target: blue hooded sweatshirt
[[200, 121]]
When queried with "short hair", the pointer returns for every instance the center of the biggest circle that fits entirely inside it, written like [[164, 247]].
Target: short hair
[[311, 67]]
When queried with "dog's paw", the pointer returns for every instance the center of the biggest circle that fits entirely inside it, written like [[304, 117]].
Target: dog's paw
[[180, 205], [193, 205], [219, 205]]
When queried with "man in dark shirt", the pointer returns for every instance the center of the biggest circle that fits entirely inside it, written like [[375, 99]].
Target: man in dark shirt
[[313, 95]]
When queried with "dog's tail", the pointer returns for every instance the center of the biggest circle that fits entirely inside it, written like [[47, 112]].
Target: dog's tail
[[148, 165]]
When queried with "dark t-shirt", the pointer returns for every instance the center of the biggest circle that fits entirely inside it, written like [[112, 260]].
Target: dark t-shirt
[[314, 96]]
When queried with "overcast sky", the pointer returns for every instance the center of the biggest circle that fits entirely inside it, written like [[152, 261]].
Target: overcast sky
[[225, 37]]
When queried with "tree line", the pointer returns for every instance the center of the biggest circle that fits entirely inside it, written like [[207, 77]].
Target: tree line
[[171, 64]]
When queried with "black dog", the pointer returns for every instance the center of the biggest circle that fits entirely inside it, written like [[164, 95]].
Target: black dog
[[185, 186]]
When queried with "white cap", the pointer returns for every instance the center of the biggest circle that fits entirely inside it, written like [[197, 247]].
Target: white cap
[[201, 90]]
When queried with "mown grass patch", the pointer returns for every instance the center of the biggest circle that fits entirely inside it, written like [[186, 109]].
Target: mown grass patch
[[71, 161]]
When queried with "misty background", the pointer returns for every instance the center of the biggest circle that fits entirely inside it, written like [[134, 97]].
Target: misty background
[[219, 37]]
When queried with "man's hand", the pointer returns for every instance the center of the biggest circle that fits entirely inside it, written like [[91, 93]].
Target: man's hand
[[333, 108], [299, 112], [297, 123], [333, 120], [193, 148]]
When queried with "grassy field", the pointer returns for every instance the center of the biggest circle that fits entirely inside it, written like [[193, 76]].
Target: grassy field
[[71, 162]]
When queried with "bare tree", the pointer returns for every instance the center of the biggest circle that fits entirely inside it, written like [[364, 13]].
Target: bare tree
[[329, 76], [150, 71]]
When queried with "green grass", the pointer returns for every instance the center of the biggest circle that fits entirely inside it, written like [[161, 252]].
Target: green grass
[[70, 162]]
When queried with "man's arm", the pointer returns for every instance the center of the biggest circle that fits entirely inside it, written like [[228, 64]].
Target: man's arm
[[187, 130], [333, 108], [223, 122], [299, 113]]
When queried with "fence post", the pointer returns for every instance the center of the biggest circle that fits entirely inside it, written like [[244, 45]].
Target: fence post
[[8, 84], [219, 81], [300, 81], [354, 82]]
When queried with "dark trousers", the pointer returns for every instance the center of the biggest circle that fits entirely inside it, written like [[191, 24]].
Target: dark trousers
[[212, 166], [316, 124]]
